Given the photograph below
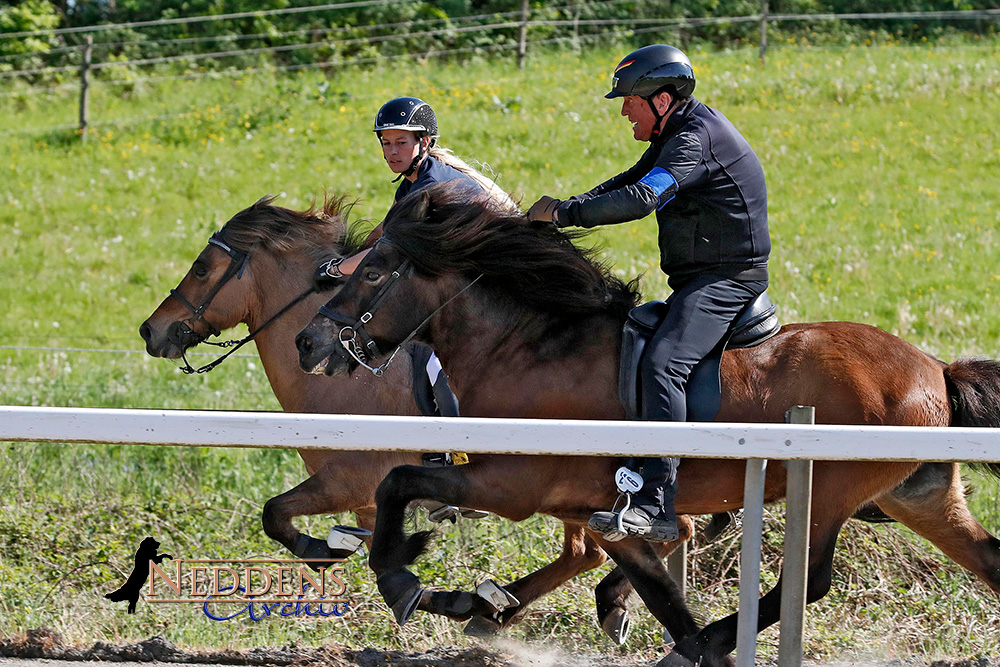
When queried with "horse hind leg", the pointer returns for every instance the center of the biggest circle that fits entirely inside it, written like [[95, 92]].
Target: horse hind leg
[[839, 488], [643, 567], [614, 592], [932, 504], [580, 553]]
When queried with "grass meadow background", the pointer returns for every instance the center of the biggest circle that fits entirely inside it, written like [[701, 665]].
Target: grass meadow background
[[882, 166]]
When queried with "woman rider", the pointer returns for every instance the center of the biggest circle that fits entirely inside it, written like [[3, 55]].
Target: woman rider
[[407, 130]]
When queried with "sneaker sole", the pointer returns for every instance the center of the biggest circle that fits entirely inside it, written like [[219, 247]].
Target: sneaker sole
[[652, 534]]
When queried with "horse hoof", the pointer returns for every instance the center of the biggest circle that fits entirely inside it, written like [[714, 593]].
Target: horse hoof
[[401, 591], [481, 626], [675, 659], [443, 513], [318, 552], [617, 625], [496, 595]]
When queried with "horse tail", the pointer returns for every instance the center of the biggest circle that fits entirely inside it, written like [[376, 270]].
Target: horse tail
[[974, 393], [498, 197]]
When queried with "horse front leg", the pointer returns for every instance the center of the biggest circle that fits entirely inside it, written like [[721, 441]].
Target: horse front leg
[[343, 482], [474, 485]]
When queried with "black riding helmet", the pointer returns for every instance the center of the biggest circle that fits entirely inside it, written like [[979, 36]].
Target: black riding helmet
[[408, 113], [651, 70]]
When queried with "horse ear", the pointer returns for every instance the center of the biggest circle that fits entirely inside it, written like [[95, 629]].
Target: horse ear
[[423, 208]]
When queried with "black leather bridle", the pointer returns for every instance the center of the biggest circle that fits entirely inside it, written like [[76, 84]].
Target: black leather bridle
[[366, 349], [237, 265]]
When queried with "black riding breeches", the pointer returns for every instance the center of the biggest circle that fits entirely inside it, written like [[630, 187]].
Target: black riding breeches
[[699, 316]]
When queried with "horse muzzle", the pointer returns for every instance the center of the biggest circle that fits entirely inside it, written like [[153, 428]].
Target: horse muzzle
[[170, 343], [318, 357]]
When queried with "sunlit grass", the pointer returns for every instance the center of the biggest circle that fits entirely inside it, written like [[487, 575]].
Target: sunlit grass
[[881, 166]]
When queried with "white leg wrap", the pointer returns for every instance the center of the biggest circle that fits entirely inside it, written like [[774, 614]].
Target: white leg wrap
[[347, 538]]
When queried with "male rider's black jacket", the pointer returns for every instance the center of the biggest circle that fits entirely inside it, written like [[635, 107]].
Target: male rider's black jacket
[[707, 188]]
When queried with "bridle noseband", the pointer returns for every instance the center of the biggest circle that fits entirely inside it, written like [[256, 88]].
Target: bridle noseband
[[237, 265], [366, 349]]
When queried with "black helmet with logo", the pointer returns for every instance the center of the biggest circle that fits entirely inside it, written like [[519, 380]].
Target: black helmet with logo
[[407, 113], [646, 71]]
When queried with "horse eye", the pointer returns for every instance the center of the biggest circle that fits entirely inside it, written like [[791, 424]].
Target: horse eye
[[372, 275], [200, 270]]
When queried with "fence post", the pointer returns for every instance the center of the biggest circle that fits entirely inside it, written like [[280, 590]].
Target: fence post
[[763, 32], [576, 28], [522, 42], [88, 47], [798, 506], [753, 529]]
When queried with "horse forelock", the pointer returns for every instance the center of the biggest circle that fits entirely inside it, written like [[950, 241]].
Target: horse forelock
[[451, 227], [318, 232]]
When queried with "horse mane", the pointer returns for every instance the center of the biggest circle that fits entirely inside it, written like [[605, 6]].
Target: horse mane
[[317, 231], [452, 227]]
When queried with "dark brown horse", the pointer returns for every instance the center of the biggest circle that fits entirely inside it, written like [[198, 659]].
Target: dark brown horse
[[528, 326], [272, 257]]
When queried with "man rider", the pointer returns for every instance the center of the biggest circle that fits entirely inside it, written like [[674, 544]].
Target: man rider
[[707, 188]]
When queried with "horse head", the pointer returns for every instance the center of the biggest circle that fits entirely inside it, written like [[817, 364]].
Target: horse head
[[263, 253]]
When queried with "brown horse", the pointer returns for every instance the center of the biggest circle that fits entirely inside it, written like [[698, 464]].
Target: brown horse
[[528, 326], [267, 258]]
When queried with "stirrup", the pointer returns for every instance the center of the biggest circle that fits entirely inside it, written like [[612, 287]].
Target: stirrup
[[618, 533], [628, 482]]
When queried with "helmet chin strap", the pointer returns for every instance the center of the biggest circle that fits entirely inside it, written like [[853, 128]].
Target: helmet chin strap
[[659, 116]]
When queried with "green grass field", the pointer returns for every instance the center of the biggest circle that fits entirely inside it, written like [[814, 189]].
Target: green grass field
[[882, 168]]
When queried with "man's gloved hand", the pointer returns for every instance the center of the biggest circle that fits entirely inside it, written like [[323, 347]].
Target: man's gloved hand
[[328, 274], [544, 210]]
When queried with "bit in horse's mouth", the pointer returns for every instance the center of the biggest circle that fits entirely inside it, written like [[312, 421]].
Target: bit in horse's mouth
[[320, 367]]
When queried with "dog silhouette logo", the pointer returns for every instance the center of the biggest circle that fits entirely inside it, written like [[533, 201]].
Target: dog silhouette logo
[[140, 572]]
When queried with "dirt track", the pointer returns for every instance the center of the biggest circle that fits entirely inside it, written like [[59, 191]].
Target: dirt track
[[43, 648]]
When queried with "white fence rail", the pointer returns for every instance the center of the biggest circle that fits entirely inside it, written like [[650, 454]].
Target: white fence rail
[[507, 436], [755, 442]]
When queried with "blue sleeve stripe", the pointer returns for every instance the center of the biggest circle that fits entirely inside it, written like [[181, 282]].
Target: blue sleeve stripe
[[662, 183]]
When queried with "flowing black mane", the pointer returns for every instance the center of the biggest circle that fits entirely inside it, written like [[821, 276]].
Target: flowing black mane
[[317, 231], [450, 228]]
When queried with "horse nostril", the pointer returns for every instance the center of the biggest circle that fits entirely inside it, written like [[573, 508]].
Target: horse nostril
[[304, 343], [146, 331]]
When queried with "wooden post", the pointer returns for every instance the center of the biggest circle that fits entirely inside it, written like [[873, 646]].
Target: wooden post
[[763, 32], [522, 42], [798, 506], [576, 28], [88, 47]]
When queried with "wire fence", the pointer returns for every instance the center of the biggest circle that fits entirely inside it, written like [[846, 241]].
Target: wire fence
[[496, 28]]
